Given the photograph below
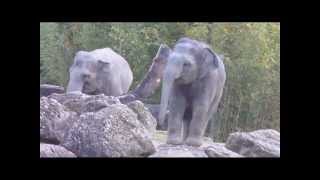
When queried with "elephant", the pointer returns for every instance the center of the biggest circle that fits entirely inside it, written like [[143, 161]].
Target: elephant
[[101, 71], [192, 86]]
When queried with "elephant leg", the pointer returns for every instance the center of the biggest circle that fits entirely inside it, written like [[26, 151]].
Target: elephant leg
[[175, 119], [197, 124], [186, 122], [186, 125], [214, 107], [115, 87], [211, 118], [200, 107], [116, 90]]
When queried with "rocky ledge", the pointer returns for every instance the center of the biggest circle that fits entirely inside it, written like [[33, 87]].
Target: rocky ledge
[[79, 125]]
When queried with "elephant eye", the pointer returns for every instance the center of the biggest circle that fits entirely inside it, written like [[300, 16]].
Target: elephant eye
[[187, 64], [78, 63]]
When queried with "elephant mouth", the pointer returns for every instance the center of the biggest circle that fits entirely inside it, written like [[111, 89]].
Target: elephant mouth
[[88, 88], [182, 81]]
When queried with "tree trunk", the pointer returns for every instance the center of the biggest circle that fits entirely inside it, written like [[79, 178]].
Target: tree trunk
[[152, 79], [209, 35]]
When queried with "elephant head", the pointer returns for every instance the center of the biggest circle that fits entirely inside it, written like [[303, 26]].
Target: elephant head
[[189, 61], [85, 72]]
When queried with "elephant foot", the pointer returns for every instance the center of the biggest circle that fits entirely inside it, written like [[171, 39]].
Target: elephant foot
[[193, 141], [175, 140]]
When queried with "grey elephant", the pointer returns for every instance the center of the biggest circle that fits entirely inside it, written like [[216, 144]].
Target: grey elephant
[[101, 71], [192, 87]]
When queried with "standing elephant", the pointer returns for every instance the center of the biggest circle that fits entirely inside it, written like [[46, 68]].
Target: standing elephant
[[193, 82], [100, 71]]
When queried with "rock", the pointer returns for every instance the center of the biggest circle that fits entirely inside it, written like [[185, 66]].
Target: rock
[[98, 126], [50, 150], [113, 131], [260, 143], [54, 120], [219, 150], [144, 115], [166, 150], [97, 102], [47, 89], [73, 101], [101, 126], [81, 103]]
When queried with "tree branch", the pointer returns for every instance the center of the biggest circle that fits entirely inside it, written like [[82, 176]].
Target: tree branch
[[152, 79]]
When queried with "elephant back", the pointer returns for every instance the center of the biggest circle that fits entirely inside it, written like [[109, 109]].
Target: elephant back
[[119, 66], [108, 55]]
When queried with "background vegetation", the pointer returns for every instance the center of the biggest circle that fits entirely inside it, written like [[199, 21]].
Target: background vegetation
[[251, 97]]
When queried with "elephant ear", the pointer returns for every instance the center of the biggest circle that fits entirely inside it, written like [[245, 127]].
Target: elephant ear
[[104, 66], [210, 61]]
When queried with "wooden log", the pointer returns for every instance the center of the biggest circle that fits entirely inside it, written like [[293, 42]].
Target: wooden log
[[152, 79], [47, 89]]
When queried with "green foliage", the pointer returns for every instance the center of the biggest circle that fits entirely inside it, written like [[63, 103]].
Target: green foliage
[[251, 98]]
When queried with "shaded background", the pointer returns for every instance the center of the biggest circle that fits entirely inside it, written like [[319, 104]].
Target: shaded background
[[251, 98]]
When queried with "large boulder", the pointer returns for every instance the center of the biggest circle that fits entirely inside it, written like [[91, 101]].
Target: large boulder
[[144, 115], [54, 120], [81, 103], [97, 126], [260, 143], [72, 101], [114, 131], [106, 127], [50, 150], [47, 89], [219, 150], [97, 102], [155, 109]]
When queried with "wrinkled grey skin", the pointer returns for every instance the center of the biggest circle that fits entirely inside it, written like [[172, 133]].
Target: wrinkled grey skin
[[193, 82], [101, 71]]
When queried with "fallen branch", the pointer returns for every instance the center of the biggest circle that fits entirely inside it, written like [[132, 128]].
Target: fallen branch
[[47, 89], [152, 79]]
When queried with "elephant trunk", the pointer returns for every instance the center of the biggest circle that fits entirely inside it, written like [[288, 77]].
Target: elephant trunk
[[167, 85], [75, 84]]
